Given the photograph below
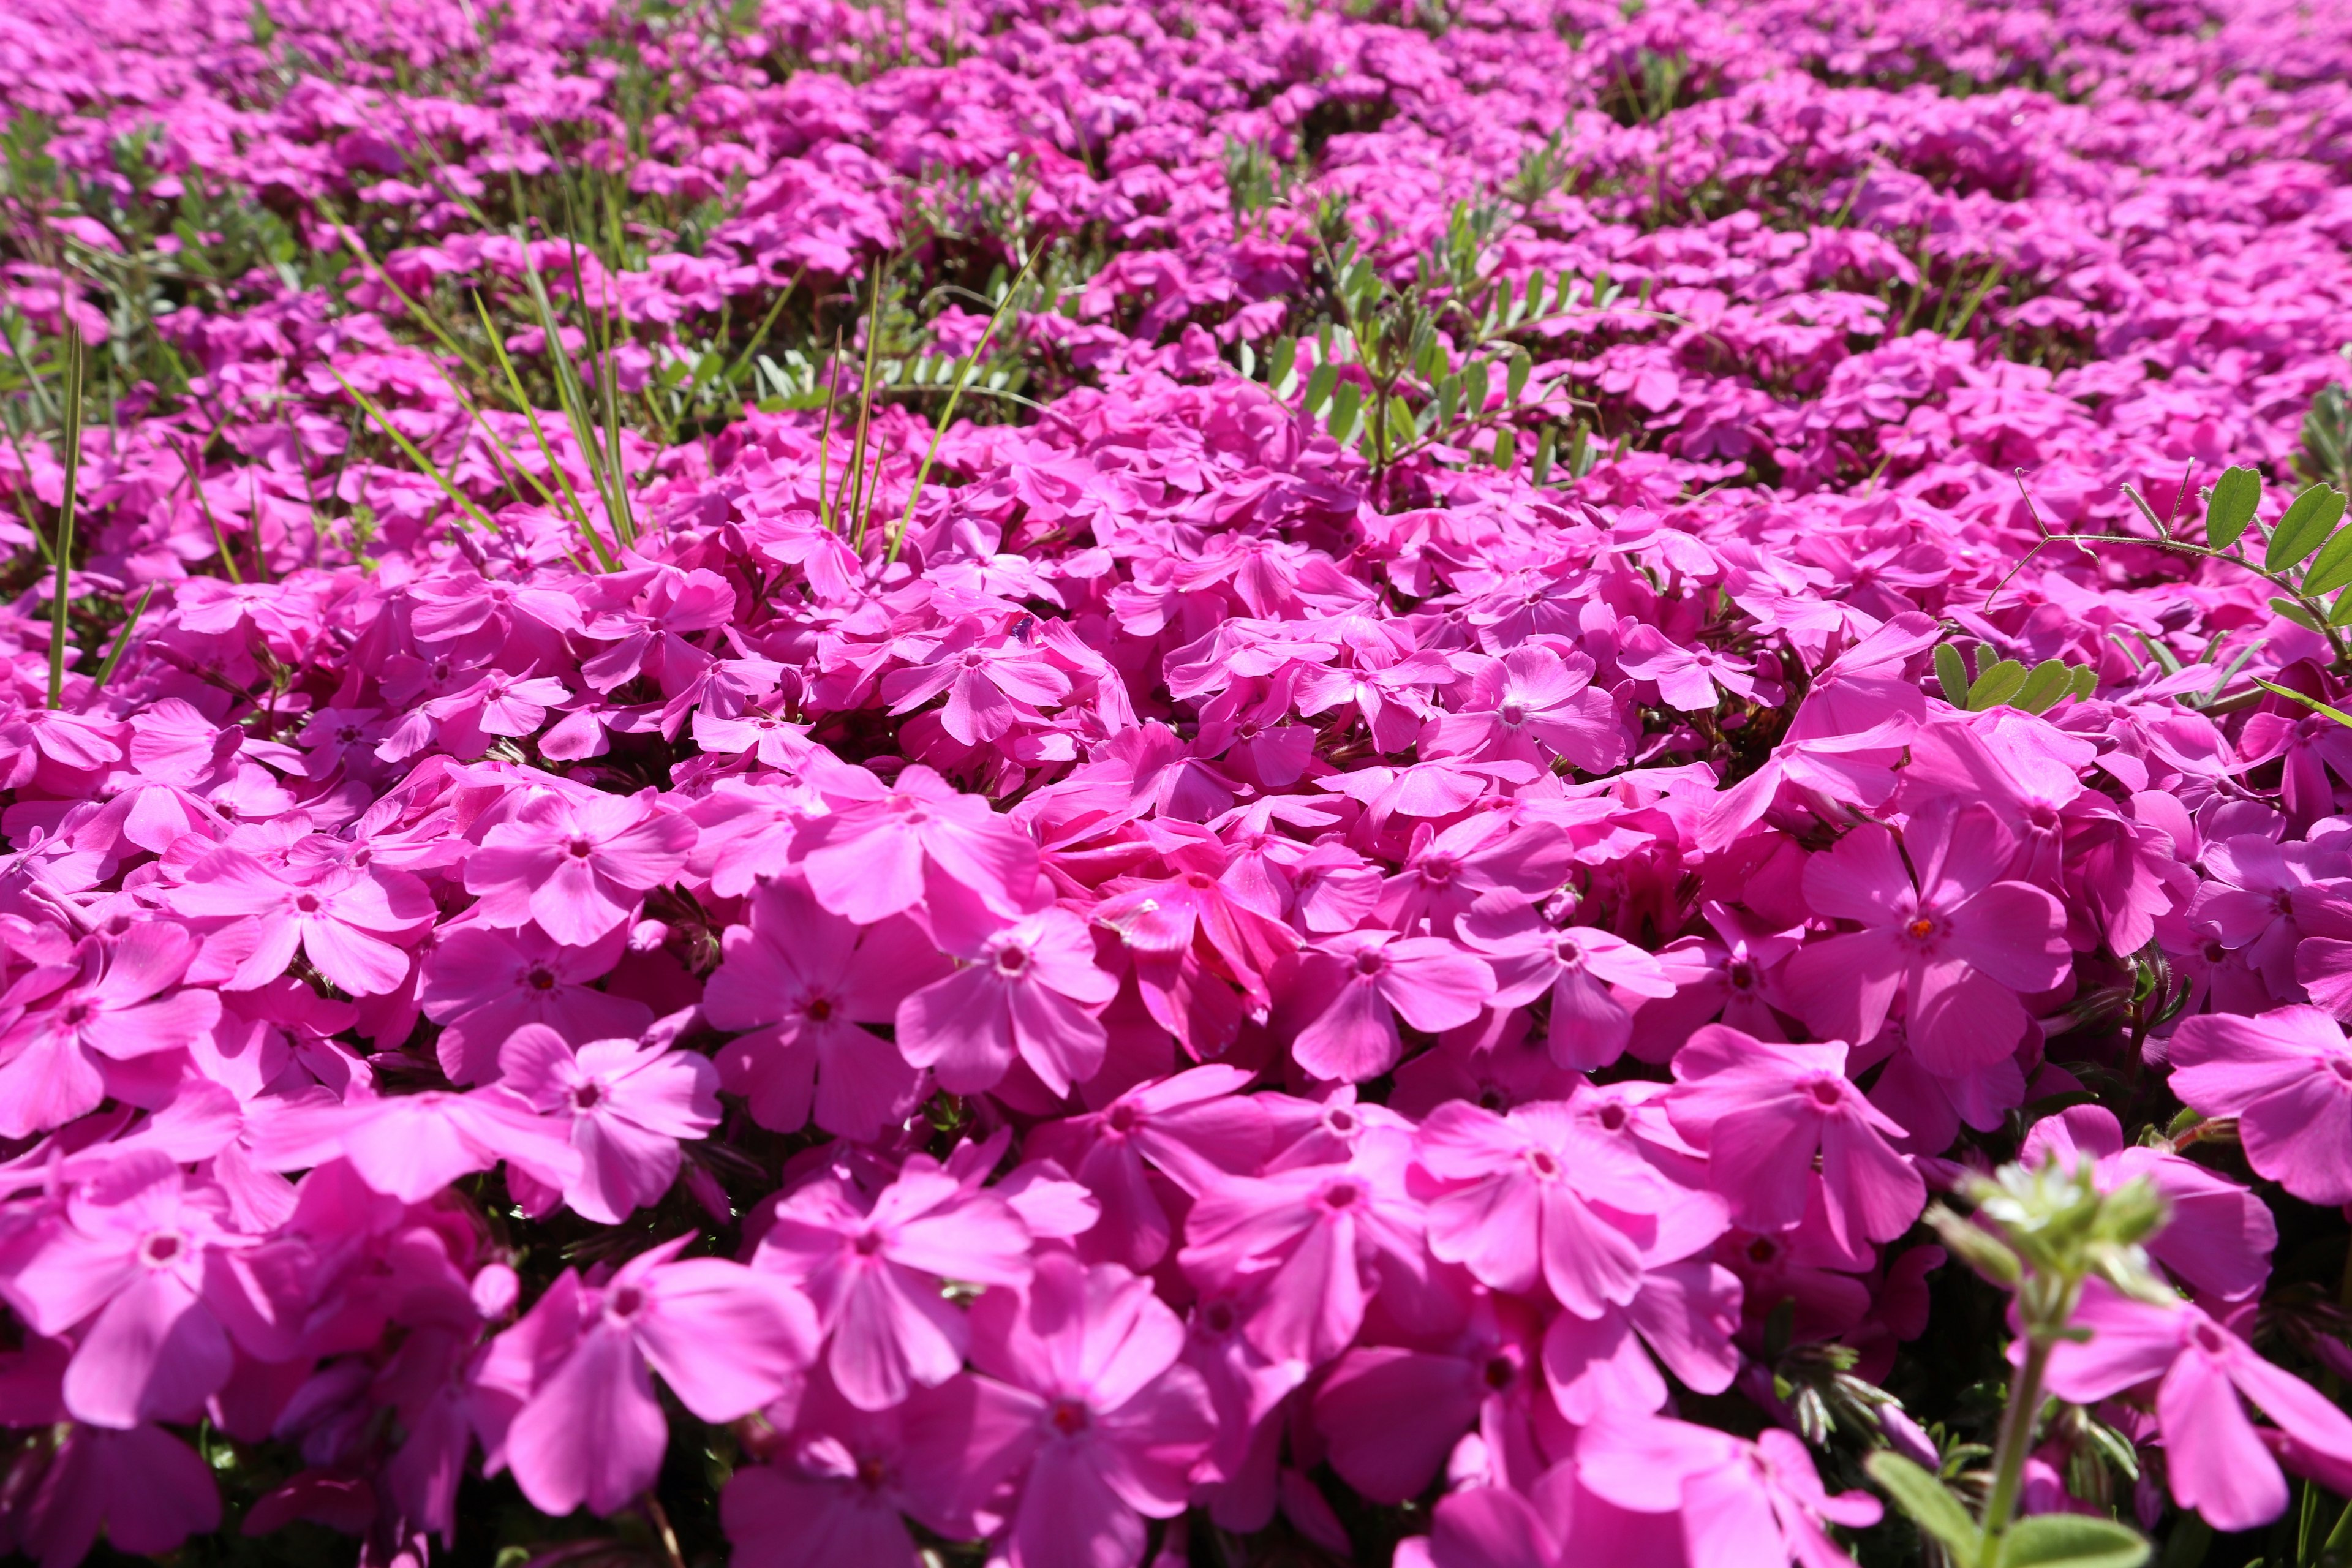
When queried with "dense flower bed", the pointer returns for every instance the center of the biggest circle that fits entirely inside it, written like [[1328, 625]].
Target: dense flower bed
[[1198, 783]]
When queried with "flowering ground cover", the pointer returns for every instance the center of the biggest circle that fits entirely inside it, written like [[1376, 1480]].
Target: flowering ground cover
[[1490, 784]]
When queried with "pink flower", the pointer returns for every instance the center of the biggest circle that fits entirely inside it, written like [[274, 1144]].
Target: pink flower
[[1352, 987], [579, 868], [1762, 1113], [1532, 1196], [1741, 1503], [1586, 972], [147, 1489], [872, 1266], [131, 1252], [1189, 1130], [836, 1497], [1532, 705], [1321, 1240], [481, 985], [2217, 1462], [412, 1145], [629, 1104], [345, 922], [1958, 944], [1031, 990], [1117, 1421], [806, 983], [65, 1023], [2286, 1076], [2217, 1235], [578, 1374], [881, 854]]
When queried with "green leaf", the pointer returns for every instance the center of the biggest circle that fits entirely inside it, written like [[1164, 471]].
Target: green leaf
[[2235, 496], [1474, 395], [1285, 355], [1319, 385], [1347, 402], [2313, 703], [2085, 684], [2340, 613], [1506, 448], [2334, 567], [1549, 439], [1952, 674], [2071, 1541], [1515, 380], [1925, 1499], [2044, 687], [2290, 610], [2309, 519], [1996, 686]]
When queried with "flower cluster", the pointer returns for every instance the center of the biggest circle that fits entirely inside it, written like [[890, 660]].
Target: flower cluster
[[1323, 891]]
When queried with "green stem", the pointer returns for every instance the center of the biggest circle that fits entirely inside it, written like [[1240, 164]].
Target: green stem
[[65, 534], [2016, 1441]]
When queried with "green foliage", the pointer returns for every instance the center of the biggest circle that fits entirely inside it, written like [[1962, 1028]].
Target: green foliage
[[2008, 683]]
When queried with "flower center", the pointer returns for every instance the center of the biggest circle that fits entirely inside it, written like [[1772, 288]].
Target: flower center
[[1439, 868], [1370, 962], [1339, 1121], [1122, 1119], [820, 1009], [1544, 1163], [1339, 1195], [2341, 1067], [580, 849], [307, 902], [2209, 1340], [1825, 1092], [161, 1248], [1571, 956], [1613, 1117], [626, 1301], [1921, 929], [1763, 1250], [1513, 714], [1011, 960], [539, 977], [1499, 1373], [868, 1243], [1069, 1417], [1742, 975], [586, 1096]]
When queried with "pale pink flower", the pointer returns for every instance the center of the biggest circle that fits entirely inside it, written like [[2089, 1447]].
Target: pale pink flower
[[1741, 1503], [65, 1024], [579, 868], [629, 1104], [1352, 987], [2286, 1076], [350, 925], [1032, 990]]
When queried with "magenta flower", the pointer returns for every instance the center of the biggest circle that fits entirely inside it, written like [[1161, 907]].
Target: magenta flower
[[807, 982], [579, 868], [148, 1491], [841, 1492], [2217, 1235], [1031, 990], [1741, 1503], [132, 1253], [2286, 1076], [628, 1104], [1762, 1113], [347, 923], [2216, 1460], [1958, 942], [880, 855], [1532, 705], [1321, 1239], [1190, 1128], [1587, 972], [873, 1267], [1117, 1421], [67, 1023], [1352, 987], [1531, 1195], [481, 985], [577, 1374], [412, 1145]]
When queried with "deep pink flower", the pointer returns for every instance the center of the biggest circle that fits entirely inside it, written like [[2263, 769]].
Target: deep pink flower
[[629, 1104], [481, 985], [577, 1376], [347, 923], [1762, 1113], [67, 1022], [1352, 989], [2215, 1460], [1031, 990], [579, 868], [882, 851], [1117, 1421], [1740, 1503], [1958, 944], [872, 1265], [411, 1146], [2217, 1235], [807, 982], [2286, 1076], [1588, 973]]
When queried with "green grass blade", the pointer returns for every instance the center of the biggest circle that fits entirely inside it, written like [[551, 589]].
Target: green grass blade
[[431, 469], [122, 641], [947, 414], [64, 534], [514, 384]]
